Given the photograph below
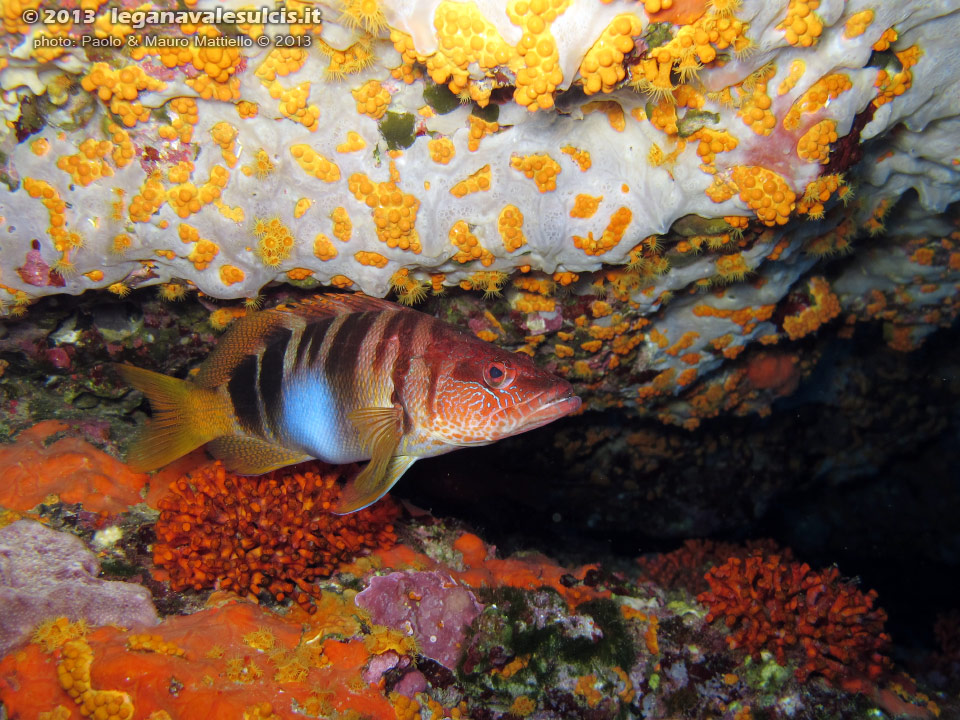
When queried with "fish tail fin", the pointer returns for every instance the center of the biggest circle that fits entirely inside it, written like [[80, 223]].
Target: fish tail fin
[[184, 418]]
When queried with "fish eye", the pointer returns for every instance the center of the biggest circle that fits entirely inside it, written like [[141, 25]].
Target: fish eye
[[497, 375]]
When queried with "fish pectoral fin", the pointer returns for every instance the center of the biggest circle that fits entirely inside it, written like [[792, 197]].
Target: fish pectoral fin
[[365, 489], [253, 456], [379, 427], [380, 430]]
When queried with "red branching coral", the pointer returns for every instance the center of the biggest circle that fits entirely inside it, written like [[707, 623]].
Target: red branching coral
[[685, 566], [828, 626], [272, 533]]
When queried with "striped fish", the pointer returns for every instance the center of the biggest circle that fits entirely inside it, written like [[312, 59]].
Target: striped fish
[[344, 378]]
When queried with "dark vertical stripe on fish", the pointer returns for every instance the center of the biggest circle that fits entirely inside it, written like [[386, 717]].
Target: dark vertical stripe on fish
[[435, 338], [401, 364], [311, 340], [271, 376], [386, 340], [343, 360], [241, 386]]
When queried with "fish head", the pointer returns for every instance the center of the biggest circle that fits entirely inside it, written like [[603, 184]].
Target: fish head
[[483, 394]]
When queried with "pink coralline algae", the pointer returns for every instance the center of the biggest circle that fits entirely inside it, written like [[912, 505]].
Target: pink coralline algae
[[34, 270], [46, 574], [431, 606]]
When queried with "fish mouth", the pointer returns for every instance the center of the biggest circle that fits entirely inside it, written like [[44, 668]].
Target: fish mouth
[[549, 407]]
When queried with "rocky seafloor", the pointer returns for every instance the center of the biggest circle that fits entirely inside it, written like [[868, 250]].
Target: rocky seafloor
[[800, 564]]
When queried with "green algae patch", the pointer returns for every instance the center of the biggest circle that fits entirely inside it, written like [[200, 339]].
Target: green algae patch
[[440, 98], [398, 129]]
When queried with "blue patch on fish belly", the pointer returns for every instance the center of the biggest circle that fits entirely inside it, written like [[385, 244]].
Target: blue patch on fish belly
[[313, 422]]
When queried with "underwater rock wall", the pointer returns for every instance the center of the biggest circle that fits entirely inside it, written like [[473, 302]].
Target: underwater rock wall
[[546, 152]]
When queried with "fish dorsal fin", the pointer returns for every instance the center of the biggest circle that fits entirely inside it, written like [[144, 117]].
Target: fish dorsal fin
[[332, 304], [245, 336], [253, 456], [380, 430], [357, 495]]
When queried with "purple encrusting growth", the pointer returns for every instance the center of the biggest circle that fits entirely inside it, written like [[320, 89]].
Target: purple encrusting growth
[[431, 606], [46, 574]]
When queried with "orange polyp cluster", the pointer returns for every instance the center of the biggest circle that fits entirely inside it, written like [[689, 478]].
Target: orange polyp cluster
[[315, 164], [540, 167], [602, 66], [281, 61], [275, 242], [541, 74], [825, 308], [120, 89], [468, 246], [372, 99], [713, 142], [858, 23], [230, 274], [323, 247], [766, 192], [814, 146], [889, 36], [755, 110], [802, 26], [732, 268], [153, 643], [353, 143], [891, 86], [55, 206], [534, 302], [247, 109], [694, 45], [88, 165], [825, 89], [580, 157], [371, 259], [817, 193], [510, 226], [535, 284], [13, 12], [611, 236], [73, 672], [441, 150], [224, 134], [465, 37], [149, 200], [293, 104], [797, 68], [271, 533], [585, 206], [187, 116], [394, 211], [477, 182], [187, 198], [479, 129], [342, 227]]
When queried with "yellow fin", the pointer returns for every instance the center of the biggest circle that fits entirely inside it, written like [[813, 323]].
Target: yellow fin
[[363, 491], [252, 456], [380, 431], [184, 418], [377, 426]]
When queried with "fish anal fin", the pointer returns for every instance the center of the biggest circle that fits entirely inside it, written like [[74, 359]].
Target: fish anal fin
[[253, 456], [365, 489]]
